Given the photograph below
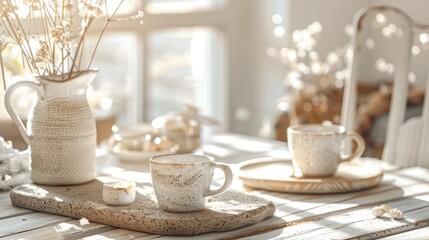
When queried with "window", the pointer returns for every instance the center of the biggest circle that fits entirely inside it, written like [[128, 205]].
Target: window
[[210, 53], [171, 60]]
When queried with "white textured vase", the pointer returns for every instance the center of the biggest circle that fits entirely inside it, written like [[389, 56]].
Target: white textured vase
[[60, 131]]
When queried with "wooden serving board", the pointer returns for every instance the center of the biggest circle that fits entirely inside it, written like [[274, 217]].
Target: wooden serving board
[[224, 212], [277, 175]]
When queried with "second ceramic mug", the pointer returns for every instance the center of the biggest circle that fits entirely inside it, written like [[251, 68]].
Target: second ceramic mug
[[182, 181], [318, 149]]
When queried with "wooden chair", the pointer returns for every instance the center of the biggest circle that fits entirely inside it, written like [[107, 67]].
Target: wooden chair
[[407, 142]]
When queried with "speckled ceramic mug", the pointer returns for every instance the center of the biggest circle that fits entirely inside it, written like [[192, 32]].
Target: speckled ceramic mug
[[182, 181], [317, 150]]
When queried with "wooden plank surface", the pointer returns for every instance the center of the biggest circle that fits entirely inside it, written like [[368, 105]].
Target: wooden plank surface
[[299, 216], [295, 210], [360, 222], [7, 210], [121, 234], [420, 233], [14, 225], [68, 229]]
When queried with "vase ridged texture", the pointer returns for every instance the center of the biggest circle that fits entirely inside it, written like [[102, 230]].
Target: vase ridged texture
[[64, 141]]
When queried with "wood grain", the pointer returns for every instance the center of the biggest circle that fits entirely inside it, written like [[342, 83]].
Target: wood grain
[[420, 233], [30, 221], [277, 175], [68, 229], [293, 209], [325, 216]]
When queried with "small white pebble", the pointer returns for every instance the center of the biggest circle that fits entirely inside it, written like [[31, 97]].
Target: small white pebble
[[396, 213], [83, 221], [378, 211]]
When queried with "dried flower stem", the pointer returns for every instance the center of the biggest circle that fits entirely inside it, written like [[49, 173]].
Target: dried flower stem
[[50, 38], [18, 40], [80, 47], [2, 67], [108, 20]]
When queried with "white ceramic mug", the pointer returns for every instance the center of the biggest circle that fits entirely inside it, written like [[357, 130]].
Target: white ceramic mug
[[182, 181], [317, 150]]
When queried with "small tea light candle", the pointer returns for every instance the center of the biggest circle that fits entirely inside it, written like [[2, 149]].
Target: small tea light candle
[[119, 193]]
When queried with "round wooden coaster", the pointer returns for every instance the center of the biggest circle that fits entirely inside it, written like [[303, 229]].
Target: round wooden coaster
[[277, 175]]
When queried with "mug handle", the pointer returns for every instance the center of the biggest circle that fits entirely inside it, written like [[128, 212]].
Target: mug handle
[[7, 102], [228, 180], [359, 149]]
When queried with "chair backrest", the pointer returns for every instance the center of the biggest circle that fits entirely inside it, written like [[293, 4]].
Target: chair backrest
[[407, 142]]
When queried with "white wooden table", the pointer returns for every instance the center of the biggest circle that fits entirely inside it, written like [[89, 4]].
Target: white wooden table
[[298, 216]]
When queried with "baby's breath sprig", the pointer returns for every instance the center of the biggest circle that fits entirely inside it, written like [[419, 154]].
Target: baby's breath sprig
[[3, 44], [138, 16], [52, 33]]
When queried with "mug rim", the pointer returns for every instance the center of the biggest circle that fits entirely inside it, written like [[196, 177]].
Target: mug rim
[[154, 159], [339, 129]]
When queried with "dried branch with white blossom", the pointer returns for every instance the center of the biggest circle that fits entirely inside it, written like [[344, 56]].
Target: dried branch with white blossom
[[52, 33]]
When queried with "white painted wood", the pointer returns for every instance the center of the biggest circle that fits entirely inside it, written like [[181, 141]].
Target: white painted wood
[[13, 225], [405, 145], [295, 208], [358, 222], [408, 142], [7, 211], [63, 230], [398, 103], [350, 93], [421, 233], [6, 208], [303, 216], [423, 158], [122, 234]]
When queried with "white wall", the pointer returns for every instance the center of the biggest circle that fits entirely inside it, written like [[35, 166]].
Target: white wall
[[263, 83], [334, 15], [258, 81], [264, 76]]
